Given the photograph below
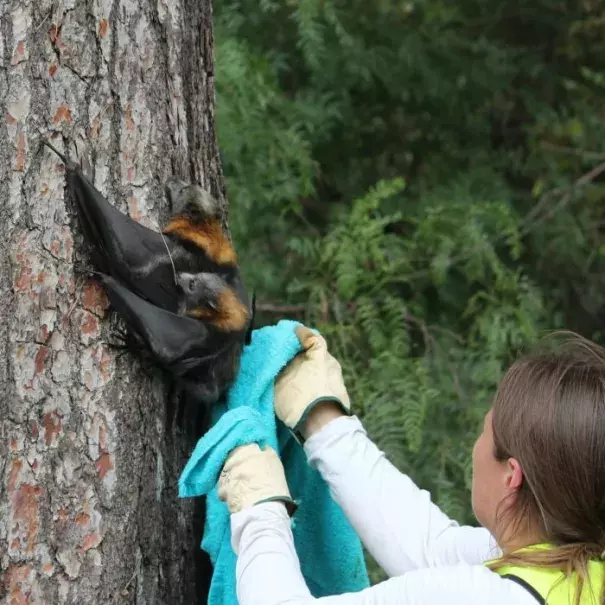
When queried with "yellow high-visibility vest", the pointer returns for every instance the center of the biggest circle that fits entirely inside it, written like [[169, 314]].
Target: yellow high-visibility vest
[[551, 587]]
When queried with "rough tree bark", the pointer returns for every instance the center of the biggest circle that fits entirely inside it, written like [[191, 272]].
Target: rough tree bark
[[89, 457]]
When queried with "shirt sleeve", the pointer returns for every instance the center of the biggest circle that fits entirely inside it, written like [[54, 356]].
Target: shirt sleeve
[[397, 522], [268, 573]]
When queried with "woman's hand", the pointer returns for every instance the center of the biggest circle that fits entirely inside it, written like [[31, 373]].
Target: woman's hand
[[252, 475], [310, 391]]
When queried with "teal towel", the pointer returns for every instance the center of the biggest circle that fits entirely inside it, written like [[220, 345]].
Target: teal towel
[[329, 550]]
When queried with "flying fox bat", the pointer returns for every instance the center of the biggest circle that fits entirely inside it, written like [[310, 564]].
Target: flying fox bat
[[179, 291]]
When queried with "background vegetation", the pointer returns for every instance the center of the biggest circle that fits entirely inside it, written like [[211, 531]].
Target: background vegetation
[[423, 182]]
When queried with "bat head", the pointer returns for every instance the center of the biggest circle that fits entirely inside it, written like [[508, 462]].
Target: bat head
[[191, 199], [208, 297], [201, 289]]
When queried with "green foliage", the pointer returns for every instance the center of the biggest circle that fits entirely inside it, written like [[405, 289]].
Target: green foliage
[[424, 180]]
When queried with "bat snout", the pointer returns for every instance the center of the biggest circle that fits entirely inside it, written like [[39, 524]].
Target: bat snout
[[188, 282], [174, 189]]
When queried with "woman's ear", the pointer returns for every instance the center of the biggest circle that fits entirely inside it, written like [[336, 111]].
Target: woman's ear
[[514, 478]]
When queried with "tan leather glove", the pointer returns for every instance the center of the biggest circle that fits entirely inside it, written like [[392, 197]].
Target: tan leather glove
[[251, 476], [312, 377]]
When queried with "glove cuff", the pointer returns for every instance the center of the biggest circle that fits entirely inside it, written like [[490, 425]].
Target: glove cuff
[[297, 429], [290, 504]]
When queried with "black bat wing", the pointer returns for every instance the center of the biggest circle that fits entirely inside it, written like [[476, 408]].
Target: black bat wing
[[124, 248], [248, 337], [177, 343]]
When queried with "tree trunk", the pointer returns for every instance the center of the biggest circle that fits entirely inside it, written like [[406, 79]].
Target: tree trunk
[[89, 455]]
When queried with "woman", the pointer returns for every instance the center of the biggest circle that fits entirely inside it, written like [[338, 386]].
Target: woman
[[538, 492]]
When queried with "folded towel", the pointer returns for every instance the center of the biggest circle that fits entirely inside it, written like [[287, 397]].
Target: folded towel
[[328, 548]]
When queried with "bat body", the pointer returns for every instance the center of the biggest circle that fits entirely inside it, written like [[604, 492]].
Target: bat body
[[179, 291]]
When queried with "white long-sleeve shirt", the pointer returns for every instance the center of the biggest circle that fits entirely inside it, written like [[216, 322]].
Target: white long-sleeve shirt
[[430, 559]]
